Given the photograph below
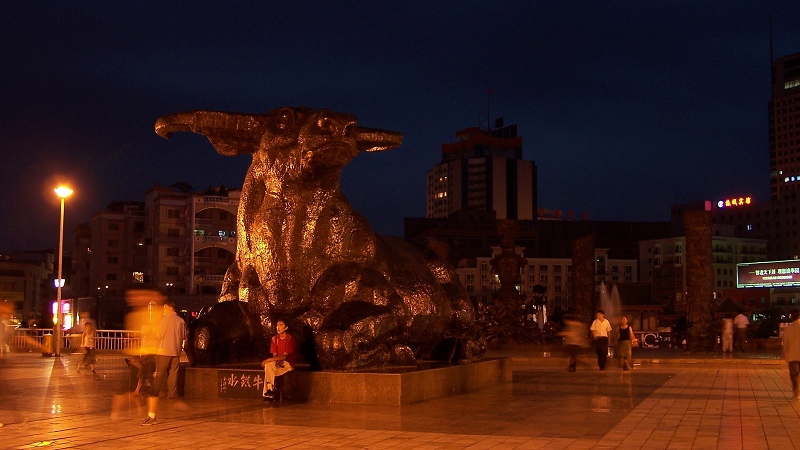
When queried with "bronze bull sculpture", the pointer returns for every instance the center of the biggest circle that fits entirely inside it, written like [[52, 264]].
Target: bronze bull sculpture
[[306, 256]]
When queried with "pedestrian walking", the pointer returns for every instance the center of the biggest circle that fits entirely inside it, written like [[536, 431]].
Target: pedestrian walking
[[171, 333], [87, 343], [601, 328], [791, 351], [625, 341], [727, 335], [741, 322], [574, 334]]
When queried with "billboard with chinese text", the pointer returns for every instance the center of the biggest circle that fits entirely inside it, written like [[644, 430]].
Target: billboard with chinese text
[[768, 274]]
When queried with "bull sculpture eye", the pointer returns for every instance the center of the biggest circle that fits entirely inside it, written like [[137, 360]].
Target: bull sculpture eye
[[285, 119], [325, 124]]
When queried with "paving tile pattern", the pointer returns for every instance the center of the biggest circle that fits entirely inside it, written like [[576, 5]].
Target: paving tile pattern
[[746, 403]]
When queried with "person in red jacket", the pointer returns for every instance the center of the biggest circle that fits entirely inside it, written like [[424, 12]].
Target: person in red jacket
[[283, 348]]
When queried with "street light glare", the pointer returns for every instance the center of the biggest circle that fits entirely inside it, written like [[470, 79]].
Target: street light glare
[[63, 191]]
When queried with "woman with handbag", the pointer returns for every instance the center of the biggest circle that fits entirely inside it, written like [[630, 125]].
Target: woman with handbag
[[625, 343]]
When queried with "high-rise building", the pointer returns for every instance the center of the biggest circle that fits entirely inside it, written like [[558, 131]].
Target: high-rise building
[[484, 170], [777, 218], [784, 127]]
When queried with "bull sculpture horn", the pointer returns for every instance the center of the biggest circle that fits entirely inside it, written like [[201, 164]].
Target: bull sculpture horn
[[230, 133], [375, 140]]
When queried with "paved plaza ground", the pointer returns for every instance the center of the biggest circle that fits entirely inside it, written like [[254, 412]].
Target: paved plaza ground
[[670, 400]]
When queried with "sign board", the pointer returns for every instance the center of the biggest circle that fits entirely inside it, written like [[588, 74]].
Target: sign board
[[768, 274], [240, 383]]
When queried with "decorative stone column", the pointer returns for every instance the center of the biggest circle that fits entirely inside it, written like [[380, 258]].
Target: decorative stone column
[[583, 278], [699, 279], [508, 302]]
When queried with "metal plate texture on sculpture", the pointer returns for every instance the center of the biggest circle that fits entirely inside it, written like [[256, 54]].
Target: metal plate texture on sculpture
[[306, 256]]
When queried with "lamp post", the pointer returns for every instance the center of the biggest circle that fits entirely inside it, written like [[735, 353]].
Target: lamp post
[[63, 192]]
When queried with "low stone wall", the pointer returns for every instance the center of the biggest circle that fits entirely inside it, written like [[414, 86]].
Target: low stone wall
[[391, 386]]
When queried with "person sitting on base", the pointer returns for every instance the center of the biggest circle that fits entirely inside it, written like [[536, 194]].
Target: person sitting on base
[[283, 349]]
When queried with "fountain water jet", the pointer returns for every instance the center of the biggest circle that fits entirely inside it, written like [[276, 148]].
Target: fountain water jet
[[609, 303]]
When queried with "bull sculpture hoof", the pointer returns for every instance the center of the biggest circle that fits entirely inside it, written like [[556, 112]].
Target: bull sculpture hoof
[[304, 255]]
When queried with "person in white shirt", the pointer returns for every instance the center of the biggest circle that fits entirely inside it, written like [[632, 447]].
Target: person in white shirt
[[601, 329]]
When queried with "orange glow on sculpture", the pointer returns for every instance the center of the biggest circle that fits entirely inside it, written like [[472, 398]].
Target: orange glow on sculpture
[[306, 256]]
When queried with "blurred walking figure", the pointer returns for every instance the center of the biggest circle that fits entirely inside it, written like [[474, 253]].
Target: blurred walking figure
[[727, 335], [145, 361], [574, 334], [2, 338], [87, 343], [791, 352], [741, 323], [171, 333]]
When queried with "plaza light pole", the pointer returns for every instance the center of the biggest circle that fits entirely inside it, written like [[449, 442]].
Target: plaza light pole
[[63, 193]]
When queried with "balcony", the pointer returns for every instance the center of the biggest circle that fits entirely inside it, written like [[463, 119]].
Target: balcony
[[213, 279], [215, 199], [214, 240]]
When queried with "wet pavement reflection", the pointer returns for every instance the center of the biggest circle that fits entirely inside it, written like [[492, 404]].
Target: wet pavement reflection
[[44, 399]]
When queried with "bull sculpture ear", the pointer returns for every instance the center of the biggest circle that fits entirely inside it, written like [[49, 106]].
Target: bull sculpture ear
[[374, 140], [231, 134]]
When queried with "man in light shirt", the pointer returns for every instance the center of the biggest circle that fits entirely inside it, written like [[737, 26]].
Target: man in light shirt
[[601, 329], [171, 333]]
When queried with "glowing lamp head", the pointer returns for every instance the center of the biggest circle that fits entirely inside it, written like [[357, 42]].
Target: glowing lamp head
[[63, 191]]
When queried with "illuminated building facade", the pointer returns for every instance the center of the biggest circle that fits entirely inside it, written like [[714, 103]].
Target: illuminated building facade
[[484, 171], [552, 274], [115, 253], [191, 237], [784, 127], [662, 262], [177, 241], [24, 285]]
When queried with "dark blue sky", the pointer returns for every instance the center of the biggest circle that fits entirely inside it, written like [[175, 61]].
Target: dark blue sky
[[626, 107]]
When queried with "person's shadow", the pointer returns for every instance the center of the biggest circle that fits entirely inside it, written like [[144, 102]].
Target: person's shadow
[[308, 348]]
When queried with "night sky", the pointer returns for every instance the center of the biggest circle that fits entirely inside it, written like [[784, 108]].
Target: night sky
[[626, 107]]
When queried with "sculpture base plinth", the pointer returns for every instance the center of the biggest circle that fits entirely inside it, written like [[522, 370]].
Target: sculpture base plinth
[[388, 386]]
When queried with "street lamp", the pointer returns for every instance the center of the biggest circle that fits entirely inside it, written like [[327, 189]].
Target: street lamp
[[63, 192]]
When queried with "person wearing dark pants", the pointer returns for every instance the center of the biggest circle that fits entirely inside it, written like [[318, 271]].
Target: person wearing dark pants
[[171, 334], [601, 329]]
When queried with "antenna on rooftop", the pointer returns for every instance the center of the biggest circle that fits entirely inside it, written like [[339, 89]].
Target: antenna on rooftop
[[488, 104]]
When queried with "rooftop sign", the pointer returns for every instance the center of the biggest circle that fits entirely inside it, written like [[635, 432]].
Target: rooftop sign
[[738, 201]]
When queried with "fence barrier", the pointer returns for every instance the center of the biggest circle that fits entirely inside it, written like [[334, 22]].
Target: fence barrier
[[30, 339]]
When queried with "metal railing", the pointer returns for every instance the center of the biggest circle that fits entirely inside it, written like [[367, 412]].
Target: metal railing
[[34, 339]]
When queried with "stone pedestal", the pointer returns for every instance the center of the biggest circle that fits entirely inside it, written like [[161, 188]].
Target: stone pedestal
[[391, 386]]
